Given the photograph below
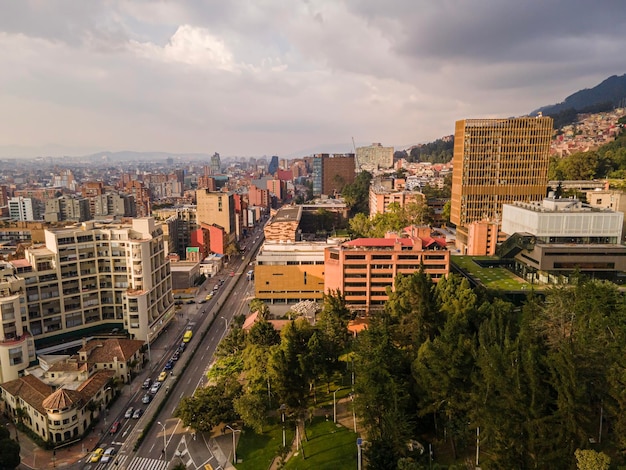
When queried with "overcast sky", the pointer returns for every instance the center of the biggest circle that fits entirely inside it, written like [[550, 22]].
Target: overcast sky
[[287, 77]]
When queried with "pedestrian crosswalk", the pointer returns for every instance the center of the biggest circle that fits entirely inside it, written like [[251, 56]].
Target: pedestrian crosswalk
[[137, 463], [144, 463]]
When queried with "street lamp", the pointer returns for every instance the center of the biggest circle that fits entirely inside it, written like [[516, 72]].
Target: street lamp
[[283, 407], [359, 443], [148, 341], [335, 404], [164, 441], [234, 444], [225, 324]]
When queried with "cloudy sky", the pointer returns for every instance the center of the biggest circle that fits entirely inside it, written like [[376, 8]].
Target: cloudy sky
[[287, 77]]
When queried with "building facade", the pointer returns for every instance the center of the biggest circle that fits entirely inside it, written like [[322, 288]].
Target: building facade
[[94, 277], [290, 272], [557, 237], [23, 209], [374, 157], [364, 268], [496, 162], [217, 208], [332, 173]]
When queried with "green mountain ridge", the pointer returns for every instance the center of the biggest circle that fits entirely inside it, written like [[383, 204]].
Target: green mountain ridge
[[609, 93]]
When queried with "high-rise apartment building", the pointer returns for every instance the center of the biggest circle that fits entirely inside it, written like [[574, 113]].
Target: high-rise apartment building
[[91, 277], [23, 208], [496, 162], [217, 208], [67, 208], [216, 164], [332, 173]]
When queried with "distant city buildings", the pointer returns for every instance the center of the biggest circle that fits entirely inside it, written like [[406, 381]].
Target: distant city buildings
[[373, 158]]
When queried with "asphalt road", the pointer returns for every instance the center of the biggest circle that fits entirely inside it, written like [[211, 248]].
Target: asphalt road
[[195, 374]]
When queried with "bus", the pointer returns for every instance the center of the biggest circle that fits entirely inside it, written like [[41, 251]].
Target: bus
[[187, 336]]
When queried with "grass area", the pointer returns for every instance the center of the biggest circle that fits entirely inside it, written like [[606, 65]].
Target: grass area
[[256, 451], [496, 277], [328, 446]]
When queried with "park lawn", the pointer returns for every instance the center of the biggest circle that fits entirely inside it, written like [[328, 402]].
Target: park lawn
[[256, 451], [329, 446]]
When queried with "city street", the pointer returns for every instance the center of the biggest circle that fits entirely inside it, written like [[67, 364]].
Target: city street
[[167, 437]]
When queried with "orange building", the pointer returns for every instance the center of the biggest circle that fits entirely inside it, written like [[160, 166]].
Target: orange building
[[363, 268], [482, 238]]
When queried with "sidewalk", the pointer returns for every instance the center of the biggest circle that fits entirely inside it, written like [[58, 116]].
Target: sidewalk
[[73, 456]]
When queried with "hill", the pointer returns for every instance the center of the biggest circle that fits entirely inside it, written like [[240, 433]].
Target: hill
[[604, 96]]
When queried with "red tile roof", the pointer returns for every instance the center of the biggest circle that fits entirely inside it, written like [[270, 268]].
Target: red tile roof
[[376, 242]]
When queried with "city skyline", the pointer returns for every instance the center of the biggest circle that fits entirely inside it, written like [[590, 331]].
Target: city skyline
[[286, 79]]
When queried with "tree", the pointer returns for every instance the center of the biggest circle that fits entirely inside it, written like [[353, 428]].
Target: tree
[[356, 194], [257, 305], [264, 334], [592, 460], [287, 367], [382, 385], [252, 409], [209, 406], [412, 305], [9, 451]]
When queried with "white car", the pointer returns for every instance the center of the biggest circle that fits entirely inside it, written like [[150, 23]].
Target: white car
[[155, 387], [129, 412], [108, 455]]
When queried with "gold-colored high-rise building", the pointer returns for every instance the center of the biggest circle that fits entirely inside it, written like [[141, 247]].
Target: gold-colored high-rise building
[[498, 161]]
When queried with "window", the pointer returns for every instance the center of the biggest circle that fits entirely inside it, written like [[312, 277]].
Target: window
[[15, 356], [66, 421]]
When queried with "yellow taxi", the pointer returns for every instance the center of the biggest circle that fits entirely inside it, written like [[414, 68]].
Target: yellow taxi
[[97, 455], [162, 376]]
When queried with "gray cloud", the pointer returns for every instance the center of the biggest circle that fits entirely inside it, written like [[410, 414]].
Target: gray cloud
[[254, 78]]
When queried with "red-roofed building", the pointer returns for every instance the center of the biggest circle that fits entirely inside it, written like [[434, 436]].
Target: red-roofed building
[[363, 268]]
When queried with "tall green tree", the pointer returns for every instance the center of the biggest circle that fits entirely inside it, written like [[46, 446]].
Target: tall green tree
[[356, 194], [414, 308], [287, 364], [209, 406], [382, 385]]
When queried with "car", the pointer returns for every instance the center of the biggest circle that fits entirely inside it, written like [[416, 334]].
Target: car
[[155, 388], [129, 412], [137, 414], [176, 356], [162, 376], [190, 301], [221, 282], [182, 347], [114, 427], [147, 398], [202, 301], [169, 365], [96, 455], [232, 273], [147, 383], [178, 302], [216, 288], [108, 455], [209, 296]]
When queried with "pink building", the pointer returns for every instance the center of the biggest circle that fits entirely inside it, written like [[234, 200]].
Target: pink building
[[363, 268]]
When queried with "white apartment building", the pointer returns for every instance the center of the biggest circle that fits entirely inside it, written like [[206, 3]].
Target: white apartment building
[[22, 208], [87, 278]]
